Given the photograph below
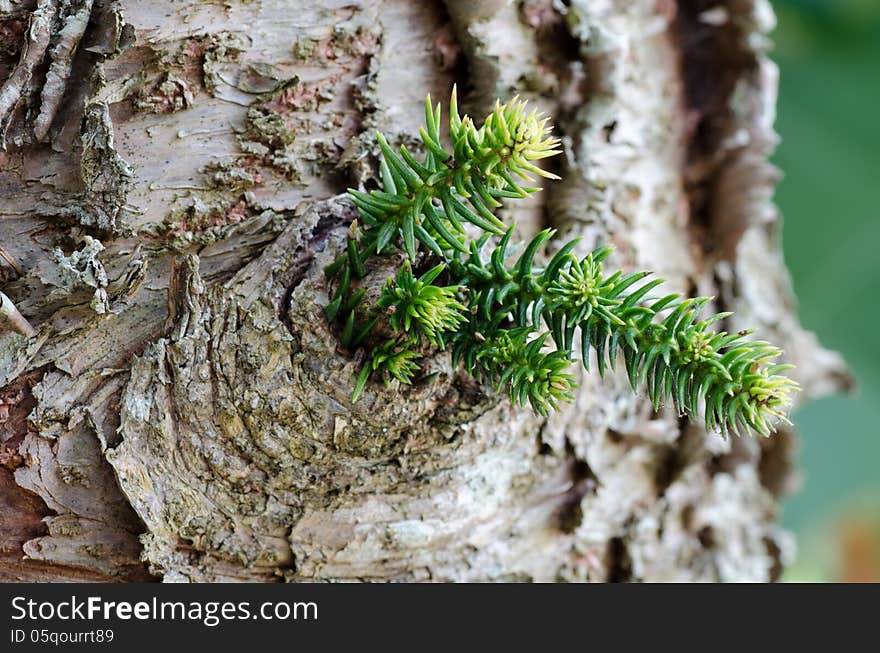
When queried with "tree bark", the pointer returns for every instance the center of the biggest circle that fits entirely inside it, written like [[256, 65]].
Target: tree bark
[[172, 186]]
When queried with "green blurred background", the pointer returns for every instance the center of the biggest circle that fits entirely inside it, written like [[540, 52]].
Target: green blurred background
[[829, 120]]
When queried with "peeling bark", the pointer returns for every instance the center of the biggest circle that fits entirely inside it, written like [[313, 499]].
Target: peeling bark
[[37, 40], [180, 409], [61, 67]]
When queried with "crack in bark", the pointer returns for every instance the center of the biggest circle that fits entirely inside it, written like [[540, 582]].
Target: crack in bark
[[570, 514], [618, 562]]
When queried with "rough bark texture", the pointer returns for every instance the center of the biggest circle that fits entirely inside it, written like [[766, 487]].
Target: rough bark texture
[[170, 190]]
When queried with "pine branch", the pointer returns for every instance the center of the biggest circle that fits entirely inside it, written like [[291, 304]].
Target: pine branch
[[428, 203], [497, 316], [513, 362], [417, 307], [664, 346]]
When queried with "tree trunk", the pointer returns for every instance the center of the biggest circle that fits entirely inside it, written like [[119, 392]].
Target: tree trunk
[[172, 186]]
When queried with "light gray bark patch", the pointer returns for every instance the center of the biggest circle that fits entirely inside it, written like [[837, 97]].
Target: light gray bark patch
[[624, 146], [105, 175], [16, 354], [501, 50], [501, 54], [298, 127], [401, 71], [82, 268], [238, 226], [230, 177]]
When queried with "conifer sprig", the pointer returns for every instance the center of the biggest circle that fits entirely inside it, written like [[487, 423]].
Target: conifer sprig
[[417, 307], [665, 348], [425, 204], [517, 325]]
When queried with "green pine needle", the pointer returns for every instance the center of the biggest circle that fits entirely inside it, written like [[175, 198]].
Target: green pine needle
[[516, 325], [416, 306]]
